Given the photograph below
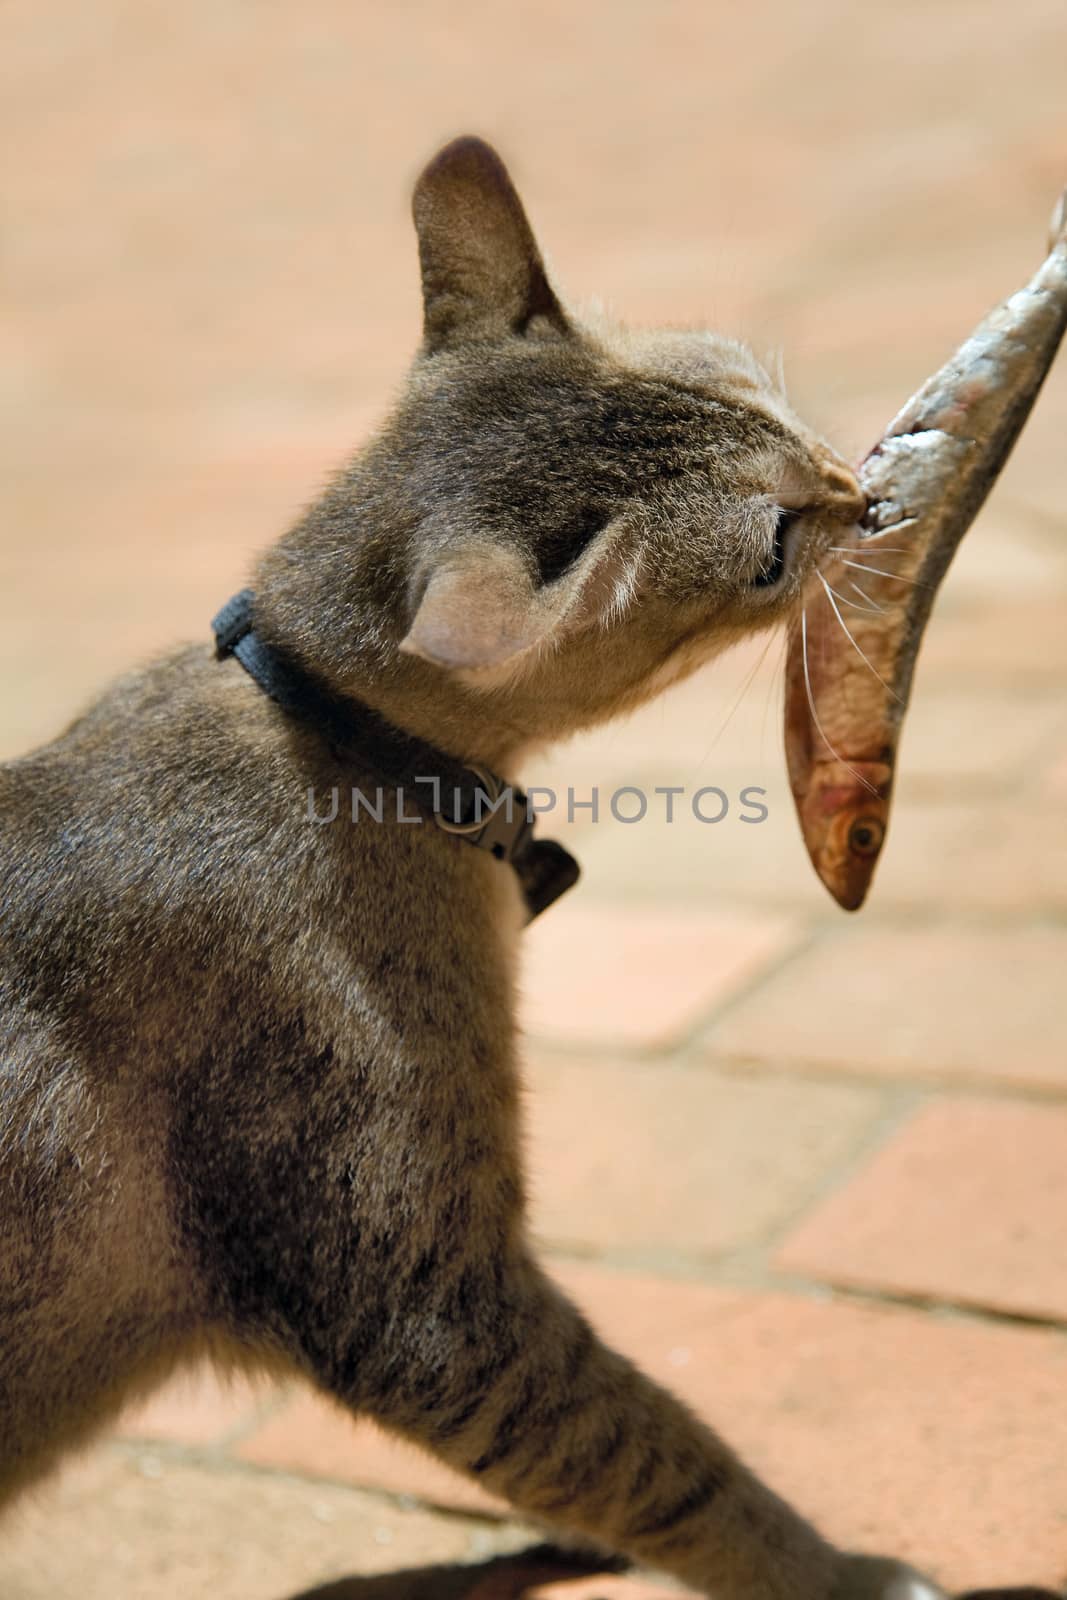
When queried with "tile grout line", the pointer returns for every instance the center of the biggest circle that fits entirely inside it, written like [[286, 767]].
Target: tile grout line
[[932, 1080], [206, 1458], [747, 1271]]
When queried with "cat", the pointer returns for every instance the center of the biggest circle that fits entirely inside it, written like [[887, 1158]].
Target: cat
[[258, 1085]]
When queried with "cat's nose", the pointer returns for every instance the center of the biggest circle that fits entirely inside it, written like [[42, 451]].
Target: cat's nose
[[841, 493]]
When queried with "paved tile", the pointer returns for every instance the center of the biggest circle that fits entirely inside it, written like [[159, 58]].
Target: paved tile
[[206, 311], [168, 547], [1005, 566], [895, 1431], [1002, 856], [644, 1158], [590, 976], [109, 1527], [987, 853], [989, 736], [943, 1441], [966, 1203], [692, 862], [1024, 641], [198, 1408], [312, 1435], [1056, 779], [953, 1001]]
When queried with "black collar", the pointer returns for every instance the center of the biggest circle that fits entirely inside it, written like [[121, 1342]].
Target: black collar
[[471, 803]]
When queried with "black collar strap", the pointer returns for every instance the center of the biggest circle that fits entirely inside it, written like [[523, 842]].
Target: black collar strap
[[469, 802]]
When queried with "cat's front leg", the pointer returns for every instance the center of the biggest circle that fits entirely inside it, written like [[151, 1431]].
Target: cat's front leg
[[519, 1392]]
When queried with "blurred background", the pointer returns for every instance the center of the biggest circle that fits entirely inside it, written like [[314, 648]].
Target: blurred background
[[808, 1169]]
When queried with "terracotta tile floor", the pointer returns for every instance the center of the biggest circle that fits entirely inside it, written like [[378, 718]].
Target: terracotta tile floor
[[807, 1169]]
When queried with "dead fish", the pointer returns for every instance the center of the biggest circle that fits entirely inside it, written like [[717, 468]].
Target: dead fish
[[852, 655]]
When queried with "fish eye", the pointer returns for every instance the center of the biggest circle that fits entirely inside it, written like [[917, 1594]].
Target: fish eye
[[865, 836]]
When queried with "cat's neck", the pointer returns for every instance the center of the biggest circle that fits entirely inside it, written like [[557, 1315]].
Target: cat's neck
[[335, 595]]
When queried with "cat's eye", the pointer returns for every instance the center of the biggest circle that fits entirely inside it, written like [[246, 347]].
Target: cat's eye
[[560, 549], [772, 572]]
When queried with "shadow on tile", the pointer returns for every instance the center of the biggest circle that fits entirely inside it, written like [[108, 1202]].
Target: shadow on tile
[[501, 1578]]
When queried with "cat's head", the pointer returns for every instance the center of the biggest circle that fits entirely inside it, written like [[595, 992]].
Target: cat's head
[[572, 476], [584, 513]]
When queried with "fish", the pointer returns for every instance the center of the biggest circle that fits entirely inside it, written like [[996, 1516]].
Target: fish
[[852, 651]]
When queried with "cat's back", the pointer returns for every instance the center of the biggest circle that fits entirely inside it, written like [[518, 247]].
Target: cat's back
[[136, 787], [161, 855], [157, 835]]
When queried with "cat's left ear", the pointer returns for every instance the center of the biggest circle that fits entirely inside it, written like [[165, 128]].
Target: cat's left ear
[[482, 273], [479, 606]]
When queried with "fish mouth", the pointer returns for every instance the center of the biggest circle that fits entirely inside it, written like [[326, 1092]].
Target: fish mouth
[[844, 817]]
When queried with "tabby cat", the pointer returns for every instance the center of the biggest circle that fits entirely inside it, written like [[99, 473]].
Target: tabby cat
[[259, 1096]]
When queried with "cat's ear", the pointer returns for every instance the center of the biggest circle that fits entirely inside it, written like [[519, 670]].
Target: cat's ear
[[482, 273], [480, 606]]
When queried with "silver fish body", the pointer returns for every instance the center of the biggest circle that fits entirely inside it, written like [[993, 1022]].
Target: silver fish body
[[851, 661]]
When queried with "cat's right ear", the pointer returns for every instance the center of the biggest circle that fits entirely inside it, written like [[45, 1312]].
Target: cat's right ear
[[480, 606], [482, 273]]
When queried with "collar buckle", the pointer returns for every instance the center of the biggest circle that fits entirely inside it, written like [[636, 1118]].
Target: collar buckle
[[493, 815]]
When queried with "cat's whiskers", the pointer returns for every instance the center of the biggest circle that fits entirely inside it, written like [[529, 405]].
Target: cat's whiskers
[[746, 685], [852, 641], [778, 368], [858, 550], [880, 572], [774, 685], [814, 713], [844, 599], [865, 596]]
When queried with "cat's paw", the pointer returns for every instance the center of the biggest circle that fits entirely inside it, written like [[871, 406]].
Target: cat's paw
[[879, 1578]]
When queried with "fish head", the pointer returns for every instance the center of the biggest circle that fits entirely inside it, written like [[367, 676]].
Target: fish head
[[844, 813], [841, 793]]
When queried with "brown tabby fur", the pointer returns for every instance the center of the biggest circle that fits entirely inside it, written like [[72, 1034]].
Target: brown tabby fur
[[258, 1082]]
